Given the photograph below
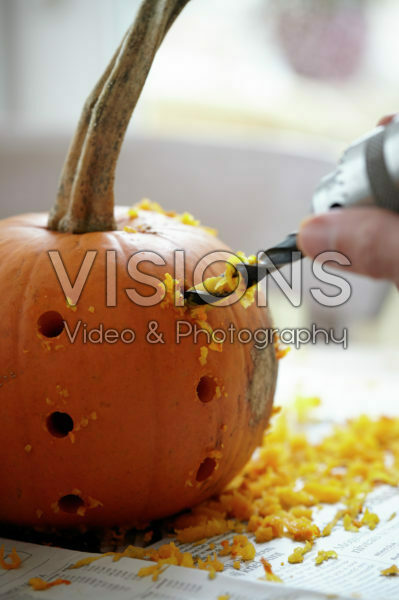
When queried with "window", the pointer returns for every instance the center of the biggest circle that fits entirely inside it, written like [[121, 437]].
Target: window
[[324, 67]]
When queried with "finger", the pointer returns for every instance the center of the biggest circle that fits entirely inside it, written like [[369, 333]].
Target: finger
[[386, 120], [369, 237]]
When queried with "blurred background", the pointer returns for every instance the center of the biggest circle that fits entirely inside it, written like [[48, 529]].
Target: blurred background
[[248, 104]]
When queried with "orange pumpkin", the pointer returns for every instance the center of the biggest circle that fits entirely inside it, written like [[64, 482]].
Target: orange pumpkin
[[117, 432]]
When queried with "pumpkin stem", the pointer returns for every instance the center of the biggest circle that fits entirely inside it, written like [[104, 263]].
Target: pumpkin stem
[[85, 200], [75, 148]]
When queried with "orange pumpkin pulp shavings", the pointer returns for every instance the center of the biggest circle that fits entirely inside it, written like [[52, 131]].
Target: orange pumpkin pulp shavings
[[391, 571], [186, 218], [229, 280], [269, 575], [14, 560], [324, 555], [299, 553], [38, 584], [276, 493], [35, 582]]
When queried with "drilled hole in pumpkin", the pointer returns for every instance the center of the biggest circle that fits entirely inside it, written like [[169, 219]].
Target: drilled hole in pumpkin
[[206, 469], [70, 503], [59, 424], [51, 324], [206, 389]]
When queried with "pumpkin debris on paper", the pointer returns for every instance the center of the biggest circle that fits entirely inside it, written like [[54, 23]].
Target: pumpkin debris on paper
[[264, 500], [286, 460], [38, 584], [298, 554], [324, 555], [269, 575], [13, 561], [391, 571]]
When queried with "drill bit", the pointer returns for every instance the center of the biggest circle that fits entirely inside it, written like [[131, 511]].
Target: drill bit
[[276, 257]]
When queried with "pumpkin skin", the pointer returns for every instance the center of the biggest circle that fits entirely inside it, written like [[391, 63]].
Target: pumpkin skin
[[140, 431]]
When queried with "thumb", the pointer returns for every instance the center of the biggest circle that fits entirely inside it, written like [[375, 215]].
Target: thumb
[[369, 237]]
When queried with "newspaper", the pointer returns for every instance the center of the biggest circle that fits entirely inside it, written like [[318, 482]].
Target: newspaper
[[350, 382]]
